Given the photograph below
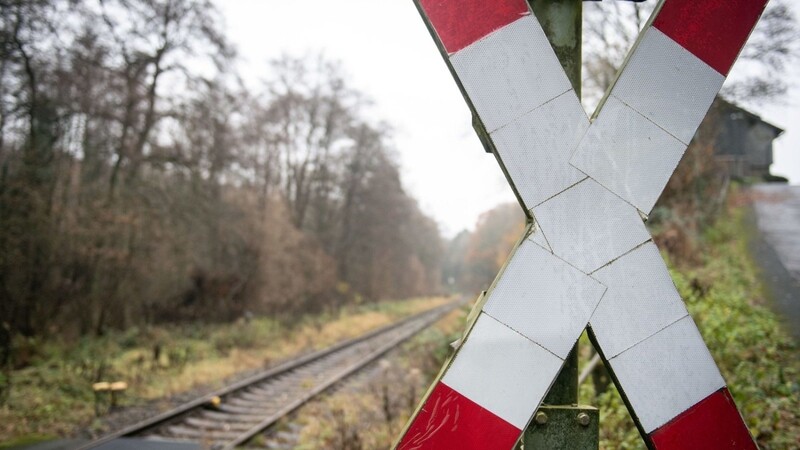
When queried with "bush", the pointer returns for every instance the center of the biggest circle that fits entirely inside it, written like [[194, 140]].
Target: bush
[[756, 356], [770, 178]]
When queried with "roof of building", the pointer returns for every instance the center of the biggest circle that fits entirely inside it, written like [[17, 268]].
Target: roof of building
[[752, 116]]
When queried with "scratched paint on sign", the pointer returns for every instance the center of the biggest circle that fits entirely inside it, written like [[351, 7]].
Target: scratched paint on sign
[[451, 421], [714, 424]]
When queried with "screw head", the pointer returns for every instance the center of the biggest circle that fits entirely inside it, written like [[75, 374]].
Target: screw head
[[540, 418], [584, 419]]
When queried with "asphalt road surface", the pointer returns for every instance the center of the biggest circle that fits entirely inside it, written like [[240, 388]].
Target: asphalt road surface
[[776, 247]]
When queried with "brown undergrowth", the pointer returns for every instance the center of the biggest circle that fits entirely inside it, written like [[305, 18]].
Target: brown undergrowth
[[53, 396], [725, 297], [370, 415]]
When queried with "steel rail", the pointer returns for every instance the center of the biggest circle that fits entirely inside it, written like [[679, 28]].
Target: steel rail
[[426, 318]]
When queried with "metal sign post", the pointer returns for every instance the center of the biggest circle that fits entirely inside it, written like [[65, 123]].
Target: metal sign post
[[586, 259], [560, 423]]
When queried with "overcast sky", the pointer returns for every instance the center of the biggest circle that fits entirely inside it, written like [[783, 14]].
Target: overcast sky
[[388, 54]]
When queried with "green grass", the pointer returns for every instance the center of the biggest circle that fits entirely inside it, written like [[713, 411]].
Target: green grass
[[53, 395], [27, 440], [725, 297], [371, 417], [756, 356]]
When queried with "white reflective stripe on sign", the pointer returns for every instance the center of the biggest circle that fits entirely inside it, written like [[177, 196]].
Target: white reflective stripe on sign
[[536, 148], [502, 371], [588, 257], [588, 226], [510, 72], [628, 154], [544, 298], [640, 301], [668, 85], [667, 374]]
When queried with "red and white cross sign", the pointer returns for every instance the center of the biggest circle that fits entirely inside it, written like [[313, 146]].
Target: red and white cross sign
[[588, 260]]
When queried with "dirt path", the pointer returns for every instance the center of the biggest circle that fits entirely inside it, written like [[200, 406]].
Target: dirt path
[[776, 247]]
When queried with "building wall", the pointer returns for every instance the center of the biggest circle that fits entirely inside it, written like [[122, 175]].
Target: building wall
[[744, 143]]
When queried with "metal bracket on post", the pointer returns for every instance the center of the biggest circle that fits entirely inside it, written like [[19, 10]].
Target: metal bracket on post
[[563, 428]]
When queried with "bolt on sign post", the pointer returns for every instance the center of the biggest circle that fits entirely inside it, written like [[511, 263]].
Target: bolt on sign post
[[586, 258]]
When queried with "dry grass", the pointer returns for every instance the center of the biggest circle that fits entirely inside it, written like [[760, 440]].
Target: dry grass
[[369, 415], [53, 396], [305, 338], [724, 295]]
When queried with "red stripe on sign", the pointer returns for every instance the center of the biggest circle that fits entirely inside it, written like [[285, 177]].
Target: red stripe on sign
[[459, 23], [712, 424], [450, 421], [713, 30]]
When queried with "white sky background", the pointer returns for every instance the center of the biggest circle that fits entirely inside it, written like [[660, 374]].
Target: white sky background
[[388, 54]]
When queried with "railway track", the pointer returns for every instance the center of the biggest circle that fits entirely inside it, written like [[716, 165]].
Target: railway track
[[251, 406]]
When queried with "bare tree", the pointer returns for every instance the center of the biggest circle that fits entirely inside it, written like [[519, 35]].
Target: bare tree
[[140, 182], [154, 40], [309, 111], [764, 60], [611, 28]]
